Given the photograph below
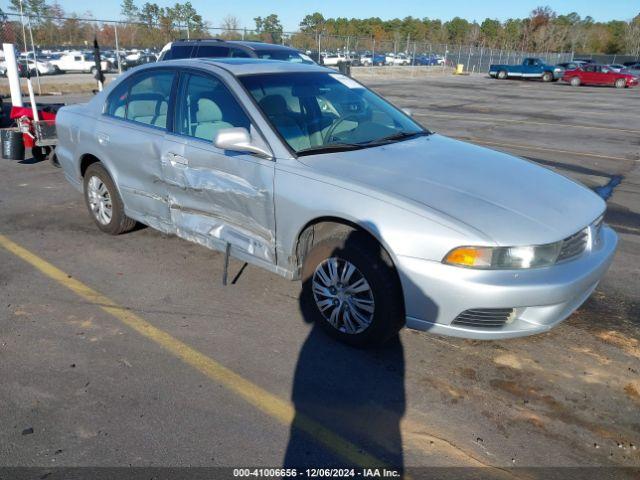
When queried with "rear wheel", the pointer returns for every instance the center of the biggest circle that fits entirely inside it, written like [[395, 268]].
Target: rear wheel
[[351, 289], [53, 159], [502, 74], [575, 82], [104, 202], [620, 83], [40, 153], [547, 76]]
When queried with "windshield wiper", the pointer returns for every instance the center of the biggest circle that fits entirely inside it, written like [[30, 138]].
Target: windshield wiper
[[398, 136], [331, 147]]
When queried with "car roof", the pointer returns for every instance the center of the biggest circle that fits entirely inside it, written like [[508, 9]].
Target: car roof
[[249, 66], [242, 43]]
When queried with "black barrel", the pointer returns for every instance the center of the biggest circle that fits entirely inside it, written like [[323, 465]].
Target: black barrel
[[12, 144], [344, 68]]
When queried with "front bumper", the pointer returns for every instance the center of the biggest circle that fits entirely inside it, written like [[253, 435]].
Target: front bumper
[[435, 293]]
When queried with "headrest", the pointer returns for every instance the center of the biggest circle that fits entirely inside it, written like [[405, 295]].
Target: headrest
[[274, 105], [208, 111], [142, 108]]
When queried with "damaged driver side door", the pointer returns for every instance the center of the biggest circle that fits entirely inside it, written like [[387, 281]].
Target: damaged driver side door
[[216, 197]]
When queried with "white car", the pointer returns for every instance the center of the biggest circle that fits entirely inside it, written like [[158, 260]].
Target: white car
[[79, 62], [397, 59], [333, 59], [43, 67]]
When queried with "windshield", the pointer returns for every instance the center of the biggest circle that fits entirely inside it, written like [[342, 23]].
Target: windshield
[[319, 111], [286, 55]]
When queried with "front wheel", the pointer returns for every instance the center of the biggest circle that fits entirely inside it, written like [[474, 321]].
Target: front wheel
[[547, 76], [351, 290], [575, 82], [620, 83], [104, 202]]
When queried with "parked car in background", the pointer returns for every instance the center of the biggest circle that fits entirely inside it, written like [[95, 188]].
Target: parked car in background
[[571, 65], [126, 63], [397, 59], [373, 59], [428, 60], [216, 48], [22, 69], [333, 59], [529, 68], [363, 204], [617, 67], [594, 74], [41, 66], [633, 69], [79, 62]]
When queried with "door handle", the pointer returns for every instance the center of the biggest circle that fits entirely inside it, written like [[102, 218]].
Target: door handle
[[103, 138], [176, 159]]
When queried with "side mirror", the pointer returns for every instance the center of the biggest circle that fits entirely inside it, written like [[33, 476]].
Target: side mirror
[[239, 140], [408, 112]]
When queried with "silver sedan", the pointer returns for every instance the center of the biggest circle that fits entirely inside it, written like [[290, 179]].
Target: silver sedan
[[307, 173]]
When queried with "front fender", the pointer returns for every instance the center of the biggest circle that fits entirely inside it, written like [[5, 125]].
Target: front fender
[[302, 197]]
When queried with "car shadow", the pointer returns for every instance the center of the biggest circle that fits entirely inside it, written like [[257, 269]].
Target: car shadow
[[349, 402]]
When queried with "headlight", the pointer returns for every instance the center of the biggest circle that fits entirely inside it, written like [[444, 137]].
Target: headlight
[[504, 257]]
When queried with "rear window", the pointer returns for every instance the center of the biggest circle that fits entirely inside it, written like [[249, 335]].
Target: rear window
[[286, 55]]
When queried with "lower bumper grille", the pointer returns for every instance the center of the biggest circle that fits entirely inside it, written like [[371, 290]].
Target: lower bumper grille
[[484, 317]]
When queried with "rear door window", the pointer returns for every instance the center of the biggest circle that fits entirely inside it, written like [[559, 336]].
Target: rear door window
[[212, 51], [149, 98], [143, 99], [239, 53], [179, 51]]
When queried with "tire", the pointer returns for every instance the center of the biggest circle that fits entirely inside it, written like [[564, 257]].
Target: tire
[[575, 81], [620, 83], [117, 222], [373, 265], [53, 158], [502, 74], [547, 76], [93, 71], [40, 153]]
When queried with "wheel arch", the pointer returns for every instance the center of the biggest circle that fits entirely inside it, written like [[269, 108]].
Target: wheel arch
[[321, 227], [87, 159]]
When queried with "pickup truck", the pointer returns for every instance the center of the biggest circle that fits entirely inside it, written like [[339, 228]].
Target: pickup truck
[[530, 68], [79, 62]]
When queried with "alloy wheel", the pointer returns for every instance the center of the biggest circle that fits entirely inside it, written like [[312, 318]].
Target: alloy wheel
[[99, 200], [343, 295]]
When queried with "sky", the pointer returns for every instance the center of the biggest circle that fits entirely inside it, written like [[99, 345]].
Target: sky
[[292, 11]]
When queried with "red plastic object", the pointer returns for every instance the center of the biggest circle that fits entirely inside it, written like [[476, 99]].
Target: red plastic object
[[17, 112]]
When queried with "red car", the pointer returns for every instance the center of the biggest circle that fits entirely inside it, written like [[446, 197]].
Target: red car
[[592, 74]]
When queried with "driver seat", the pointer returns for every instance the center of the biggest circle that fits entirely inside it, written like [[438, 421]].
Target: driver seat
[[275, 107]]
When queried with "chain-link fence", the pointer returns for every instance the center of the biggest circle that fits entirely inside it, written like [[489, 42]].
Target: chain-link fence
[[47, 36]]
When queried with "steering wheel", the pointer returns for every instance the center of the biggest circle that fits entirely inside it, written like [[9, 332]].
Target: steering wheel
[[333, 127]]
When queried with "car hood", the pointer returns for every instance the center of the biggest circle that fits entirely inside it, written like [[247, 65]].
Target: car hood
[[509, 199]]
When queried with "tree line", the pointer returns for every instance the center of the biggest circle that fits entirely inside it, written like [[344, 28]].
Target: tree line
[[149, 25]]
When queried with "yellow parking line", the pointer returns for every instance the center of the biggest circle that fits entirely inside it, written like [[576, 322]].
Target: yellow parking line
[[530, 122], [544, 149], [275, 407]]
